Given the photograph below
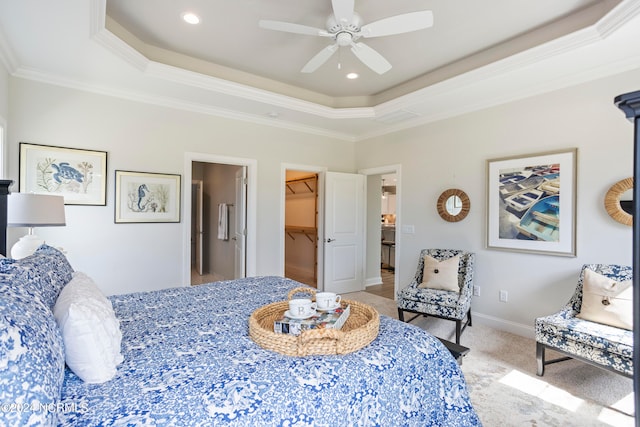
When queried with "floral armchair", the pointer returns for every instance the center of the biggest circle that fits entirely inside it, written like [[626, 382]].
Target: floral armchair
[[444, 304], [604, 346]]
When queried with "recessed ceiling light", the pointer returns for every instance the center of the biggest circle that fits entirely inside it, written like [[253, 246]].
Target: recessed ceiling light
[[191, 18], [352, 76]]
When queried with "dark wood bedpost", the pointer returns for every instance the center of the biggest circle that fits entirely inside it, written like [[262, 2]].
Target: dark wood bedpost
[[4, 192], [629, 103]]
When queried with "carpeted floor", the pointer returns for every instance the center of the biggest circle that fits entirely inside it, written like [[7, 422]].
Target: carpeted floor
[[500, 371]]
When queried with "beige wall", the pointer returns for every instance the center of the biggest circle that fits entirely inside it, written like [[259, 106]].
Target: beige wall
[[452, 154], [433, 157], [141, 137], [4, 113]]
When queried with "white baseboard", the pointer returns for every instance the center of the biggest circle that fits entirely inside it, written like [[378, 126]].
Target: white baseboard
[[373, 281], [526, 331]]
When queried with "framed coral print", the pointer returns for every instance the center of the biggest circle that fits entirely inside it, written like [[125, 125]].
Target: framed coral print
[[531, 203], [147, 197], [78, 175]]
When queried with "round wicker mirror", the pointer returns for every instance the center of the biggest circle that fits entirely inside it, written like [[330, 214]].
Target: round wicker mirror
[[612, 201], [453, 205]]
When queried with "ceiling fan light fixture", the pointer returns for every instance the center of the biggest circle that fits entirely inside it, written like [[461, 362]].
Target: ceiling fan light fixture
[[345, 27], [344, 38], [191, 18]]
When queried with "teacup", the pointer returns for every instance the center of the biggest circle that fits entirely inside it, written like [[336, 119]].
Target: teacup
[[327, 300], [301, 307]]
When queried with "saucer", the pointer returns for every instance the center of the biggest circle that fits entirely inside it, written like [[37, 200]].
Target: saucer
[[329, 308], [304, 316]]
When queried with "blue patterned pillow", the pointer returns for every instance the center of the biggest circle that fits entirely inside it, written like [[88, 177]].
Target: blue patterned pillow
[[31, 356], [42, 274]]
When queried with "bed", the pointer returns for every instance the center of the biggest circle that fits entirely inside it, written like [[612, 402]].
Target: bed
[[188, 360]]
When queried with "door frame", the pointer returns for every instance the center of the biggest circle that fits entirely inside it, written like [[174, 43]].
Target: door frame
[[283, 191], [251, 208], [198, 244], [383, 170]]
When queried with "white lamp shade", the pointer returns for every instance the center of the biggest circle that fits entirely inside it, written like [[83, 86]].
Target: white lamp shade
[[35, 210]]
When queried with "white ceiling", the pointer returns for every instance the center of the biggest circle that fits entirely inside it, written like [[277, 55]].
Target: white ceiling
[[477, 54]]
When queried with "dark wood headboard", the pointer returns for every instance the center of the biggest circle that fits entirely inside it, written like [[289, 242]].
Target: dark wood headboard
[[4, 192]]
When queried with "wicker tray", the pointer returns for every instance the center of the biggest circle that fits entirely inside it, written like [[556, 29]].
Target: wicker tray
[[359, 330]]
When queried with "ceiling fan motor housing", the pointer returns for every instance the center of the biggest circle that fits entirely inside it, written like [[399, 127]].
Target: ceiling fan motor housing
[[334, 26]]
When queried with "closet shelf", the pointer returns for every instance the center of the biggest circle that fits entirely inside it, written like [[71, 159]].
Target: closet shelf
[[309, 232], [306, 181]]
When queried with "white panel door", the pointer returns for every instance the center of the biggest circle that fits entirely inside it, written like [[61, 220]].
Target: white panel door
[[240, 232], [344, 232], [198, 194]]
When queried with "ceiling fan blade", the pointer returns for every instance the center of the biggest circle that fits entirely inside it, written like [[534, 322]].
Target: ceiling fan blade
[[292, 28], [370, 58], [320, 58], [343, 11], [398, 24]]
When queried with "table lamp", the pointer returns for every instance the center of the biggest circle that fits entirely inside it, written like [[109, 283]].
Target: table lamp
[[33, 210]]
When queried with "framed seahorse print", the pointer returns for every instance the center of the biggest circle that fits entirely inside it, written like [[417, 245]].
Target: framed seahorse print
[[147, 197]]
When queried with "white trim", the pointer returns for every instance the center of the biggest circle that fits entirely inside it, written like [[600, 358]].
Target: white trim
[[372, 281], [614, 20], [395, 169], [526, 331], [252, 203], [320, 170]]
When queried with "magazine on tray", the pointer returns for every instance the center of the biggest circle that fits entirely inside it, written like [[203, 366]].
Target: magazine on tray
[[328, 319]]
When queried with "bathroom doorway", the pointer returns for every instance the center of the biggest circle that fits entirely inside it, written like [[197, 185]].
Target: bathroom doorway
[[218, 218]]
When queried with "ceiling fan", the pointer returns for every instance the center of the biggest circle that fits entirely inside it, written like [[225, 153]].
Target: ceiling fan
[[345, 27]]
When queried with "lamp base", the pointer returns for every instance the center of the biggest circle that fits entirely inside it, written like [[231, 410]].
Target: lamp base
[[26, 246]]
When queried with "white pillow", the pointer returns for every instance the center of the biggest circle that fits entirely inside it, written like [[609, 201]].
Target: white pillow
[[606, 301], [90, 330], [441, 274]]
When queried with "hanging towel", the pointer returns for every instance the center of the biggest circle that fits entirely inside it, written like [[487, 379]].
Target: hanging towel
[[223, 220]]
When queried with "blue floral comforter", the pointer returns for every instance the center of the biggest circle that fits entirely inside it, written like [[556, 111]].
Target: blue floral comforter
[[189, 361]]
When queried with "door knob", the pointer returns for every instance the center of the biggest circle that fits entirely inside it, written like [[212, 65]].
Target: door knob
[[329, 240]]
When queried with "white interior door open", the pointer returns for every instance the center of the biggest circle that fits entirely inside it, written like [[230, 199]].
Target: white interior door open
[[344, 232], [198, 194], [240, 232]]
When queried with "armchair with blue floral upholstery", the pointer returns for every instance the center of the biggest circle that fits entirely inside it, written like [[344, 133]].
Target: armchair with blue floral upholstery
[[453, 303], [601, 345]]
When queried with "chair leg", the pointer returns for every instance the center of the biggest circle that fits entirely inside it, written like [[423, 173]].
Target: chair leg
[[540, 358], [400, 315], [458, 330], [469, 316]]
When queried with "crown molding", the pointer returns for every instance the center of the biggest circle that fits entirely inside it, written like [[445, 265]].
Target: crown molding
[[396, 114], [169, 102], [620, 15]]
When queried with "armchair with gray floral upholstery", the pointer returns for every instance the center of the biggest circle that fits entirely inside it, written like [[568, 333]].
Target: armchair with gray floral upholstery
[[450, 301], [602, 345]]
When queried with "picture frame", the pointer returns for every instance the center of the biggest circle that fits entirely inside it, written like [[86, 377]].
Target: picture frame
[[143, 197], [525, 212], [77, 174]]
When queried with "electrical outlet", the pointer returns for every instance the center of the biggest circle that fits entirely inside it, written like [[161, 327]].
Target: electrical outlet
[[504, 296], [476, 291]]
